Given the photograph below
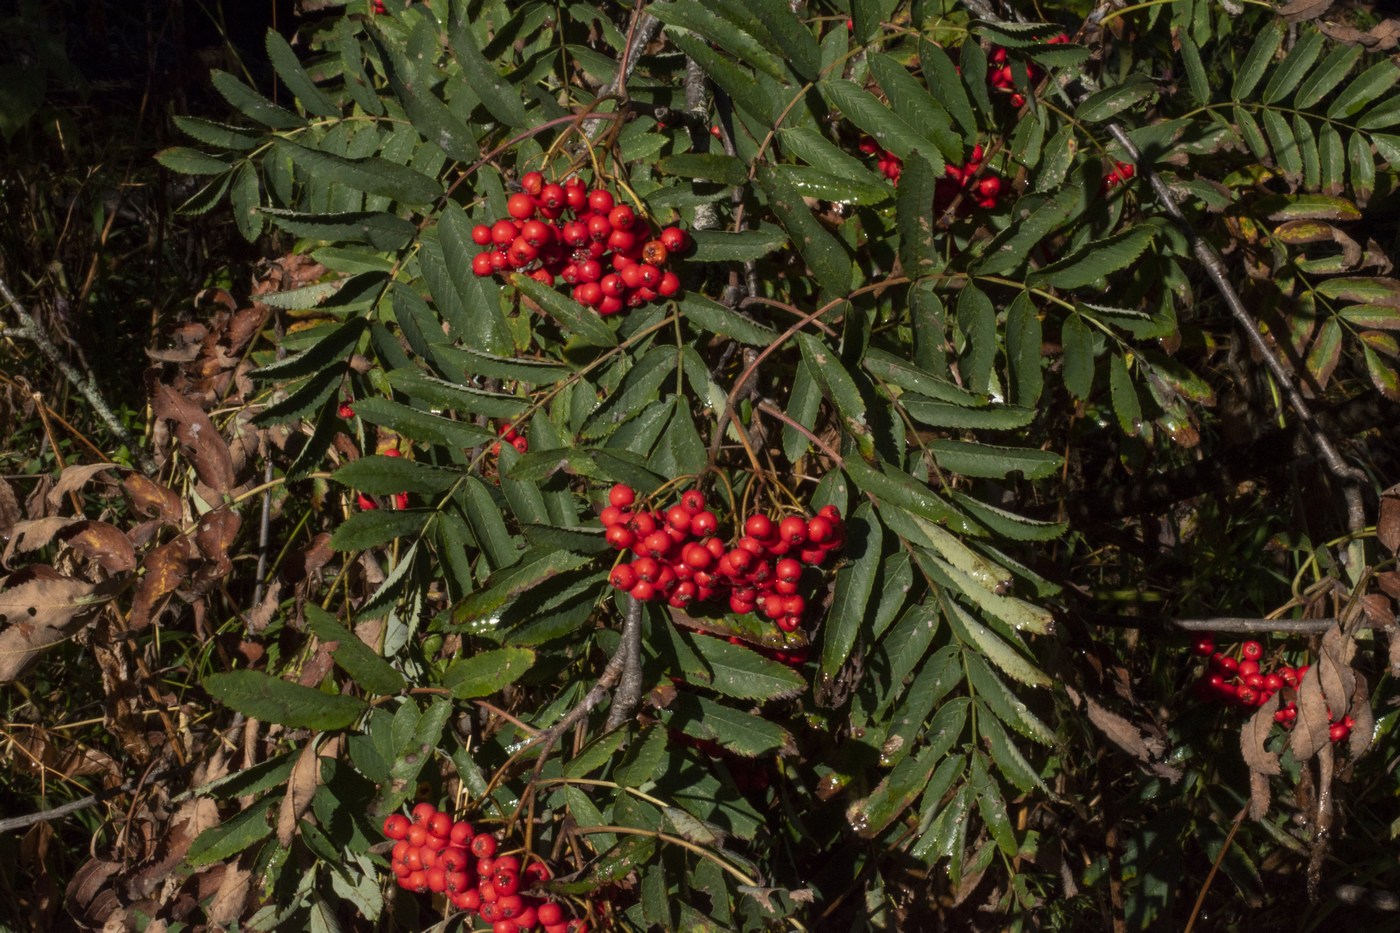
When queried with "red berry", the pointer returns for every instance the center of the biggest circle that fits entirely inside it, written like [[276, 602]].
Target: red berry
[[1252, 650], [503, 232], [396, 826], [759, 526], [520, 206], [620, 538], [600, 201], [1338, 731], [417, 835], [440, 825], [1204, 646], [793, 530], [589, 294], [550, 913], [674, 239], [481, 235], [552, 196], [622, 217], [576, 195], [484, 846], [623, 576], [621, 496]]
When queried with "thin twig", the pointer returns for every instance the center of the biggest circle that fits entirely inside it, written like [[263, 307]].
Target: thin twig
[[83, 384], [1214, 869], [1246, 626], [264, 525], [1232, 625], [73, 806]]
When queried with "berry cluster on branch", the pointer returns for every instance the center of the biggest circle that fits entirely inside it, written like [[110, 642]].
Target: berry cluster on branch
[[678, 557], [612, 257], [434, 853], [1242, 681]]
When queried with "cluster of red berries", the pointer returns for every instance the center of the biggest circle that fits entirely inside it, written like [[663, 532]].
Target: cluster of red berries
[[1242, 682], [606, 252], [512, 437], [433, 852], [678, 557], [1120, 174], [983, 187], [1000, 77], [890, 165], [366, 504]]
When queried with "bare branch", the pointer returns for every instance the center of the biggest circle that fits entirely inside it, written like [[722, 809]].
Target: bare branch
[[629, 688], [84, 384]]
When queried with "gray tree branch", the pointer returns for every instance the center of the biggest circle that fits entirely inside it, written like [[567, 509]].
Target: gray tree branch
[[30, 329]]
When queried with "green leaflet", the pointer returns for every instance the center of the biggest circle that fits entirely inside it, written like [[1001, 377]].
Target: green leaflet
[[487, 672], [272, 699], [381, 476], [993, 462], [851, 591], [357, 659], [372, 174], [533, 568], [745, 734], [496, 94], [824, 254], [294, 76], [252, 104], [739, 671], [1097, 259]]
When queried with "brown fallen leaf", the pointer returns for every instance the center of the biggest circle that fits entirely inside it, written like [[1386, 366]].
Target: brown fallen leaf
[[32, 534], [152, 499], [39, 614], [74, 478], [10, 511], [301, 787], [102, 543], [1388, 524], [1300, 11], [198, 438], [166, 567], [1381, 37]]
